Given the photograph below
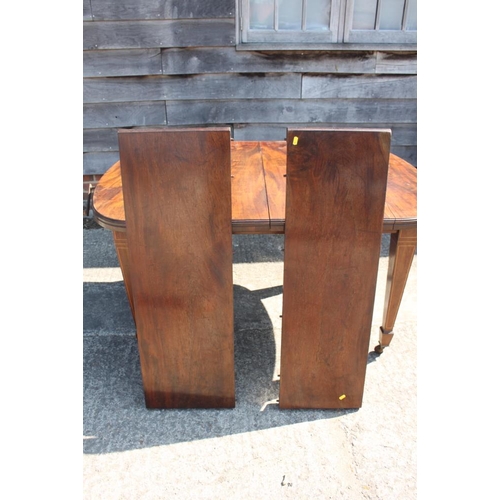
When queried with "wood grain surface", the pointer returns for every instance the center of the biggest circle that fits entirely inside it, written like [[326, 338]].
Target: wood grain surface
[[274, 164], [258, 170], [250, 212], [177, 198], [336, 185]]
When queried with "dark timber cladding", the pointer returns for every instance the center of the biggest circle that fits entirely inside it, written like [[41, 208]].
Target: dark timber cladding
[[150, 63], [335, 195], [181, 253]]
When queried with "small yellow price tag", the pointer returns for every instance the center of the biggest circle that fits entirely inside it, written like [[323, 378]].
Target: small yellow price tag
[[295, 140], [342, 397]]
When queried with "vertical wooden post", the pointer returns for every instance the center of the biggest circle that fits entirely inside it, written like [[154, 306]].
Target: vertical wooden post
[[401, 252], [177, 197], [336, 184], [120, 240]]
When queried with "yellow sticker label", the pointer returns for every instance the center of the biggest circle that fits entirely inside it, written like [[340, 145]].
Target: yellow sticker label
[[342, 397], [295, 140]]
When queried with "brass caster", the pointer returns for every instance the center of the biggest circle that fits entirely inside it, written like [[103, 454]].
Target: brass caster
[[379, 349]]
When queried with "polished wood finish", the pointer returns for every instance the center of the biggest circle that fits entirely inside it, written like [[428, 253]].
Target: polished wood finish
[[401, 252], [250, 212], [177, 199], [400, 211], [258, 183], [274, 164], [107, 202], [336, 186], [121, 246], [258, 207], [250, 180]]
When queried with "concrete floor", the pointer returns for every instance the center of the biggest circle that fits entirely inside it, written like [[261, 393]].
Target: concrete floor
[[254, 451]]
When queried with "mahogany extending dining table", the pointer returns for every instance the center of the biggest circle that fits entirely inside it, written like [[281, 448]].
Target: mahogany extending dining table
[[258, 189]]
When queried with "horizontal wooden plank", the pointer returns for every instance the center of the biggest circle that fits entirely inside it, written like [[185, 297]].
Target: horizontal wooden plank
[[110, 115], [402, 134], [259, 132], [359, 87], [397, 62], [235, 86], [226, 59], [177, 61], [343, 111], [99, 163], [154, 34], [122, 62], [87, 11], [161, 9], [100, 139], [105, 139], [408, 153]]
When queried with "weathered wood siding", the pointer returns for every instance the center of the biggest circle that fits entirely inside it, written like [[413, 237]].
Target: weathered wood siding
[[174, 62]]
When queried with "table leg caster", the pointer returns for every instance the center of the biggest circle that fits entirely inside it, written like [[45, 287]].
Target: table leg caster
[[379, 349]]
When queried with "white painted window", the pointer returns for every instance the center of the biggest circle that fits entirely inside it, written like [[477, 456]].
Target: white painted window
[[328, 21]]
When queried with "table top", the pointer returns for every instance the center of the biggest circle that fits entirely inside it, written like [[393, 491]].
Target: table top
[[258, 188]]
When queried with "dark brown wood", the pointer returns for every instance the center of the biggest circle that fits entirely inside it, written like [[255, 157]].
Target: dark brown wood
[[401, 252], [177, 198], [121, 246], [336, 185], [249, 215], [258, 207]]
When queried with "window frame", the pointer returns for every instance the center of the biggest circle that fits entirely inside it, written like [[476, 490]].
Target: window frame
[[340, 36], [377, 35]]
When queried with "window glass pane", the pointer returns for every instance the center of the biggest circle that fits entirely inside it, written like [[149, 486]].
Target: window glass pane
[[290, 15], [364, 14], [411, 21], [261, 14], [391, 14], [318, 14]]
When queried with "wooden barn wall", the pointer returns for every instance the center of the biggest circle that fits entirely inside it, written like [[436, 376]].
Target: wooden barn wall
[[174, 62]]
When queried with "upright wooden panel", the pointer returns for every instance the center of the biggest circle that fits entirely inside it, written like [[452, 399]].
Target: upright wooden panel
[[336, 184], [177, 196]]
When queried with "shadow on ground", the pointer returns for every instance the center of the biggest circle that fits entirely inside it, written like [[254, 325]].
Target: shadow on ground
[[115, 418]]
